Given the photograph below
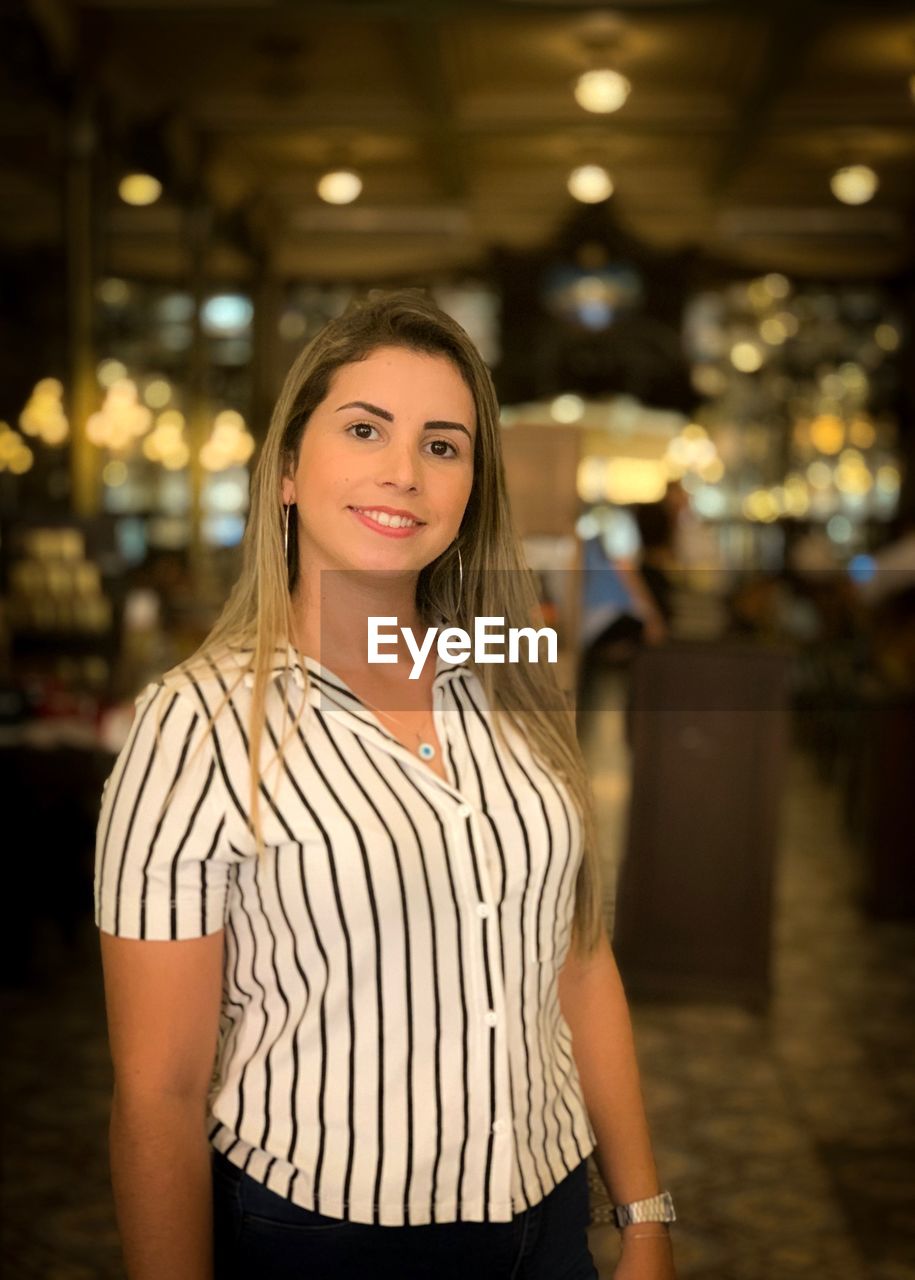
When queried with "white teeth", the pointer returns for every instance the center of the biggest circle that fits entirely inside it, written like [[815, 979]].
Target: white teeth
[[393, 522]]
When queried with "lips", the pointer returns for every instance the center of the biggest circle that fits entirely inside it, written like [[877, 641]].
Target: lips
[[390, 531], [390, 511]]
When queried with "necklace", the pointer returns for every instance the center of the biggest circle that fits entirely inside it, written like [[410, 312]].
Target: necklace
[[424, 750]]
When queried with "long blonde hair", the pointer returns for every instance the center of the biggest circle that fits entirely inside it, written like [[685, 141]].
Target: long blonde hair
[[258, 614]]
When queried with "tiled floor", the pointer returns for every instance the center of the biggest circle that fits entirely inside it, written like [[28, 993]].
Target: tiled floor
[[788, 1140]]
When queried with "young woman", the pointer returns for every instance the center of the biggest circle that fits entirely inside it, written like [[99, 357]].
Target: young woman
[[363, 1015]]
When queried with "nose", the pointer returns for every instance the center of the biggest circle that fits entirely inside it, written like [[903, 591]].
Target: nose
[[400, 468]]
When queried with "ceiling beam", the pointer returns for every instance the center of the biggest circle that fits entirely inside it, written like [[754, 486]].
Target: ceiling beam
[[405, 10], [396, 8], [228, 115], [419, 46], [55, 21], [789, 35]]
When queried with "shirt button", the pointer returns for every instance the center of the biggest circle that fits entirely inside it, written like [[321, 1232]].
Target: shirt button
[[491, 1018], [498, 1126], [483, 909], [464, 811]]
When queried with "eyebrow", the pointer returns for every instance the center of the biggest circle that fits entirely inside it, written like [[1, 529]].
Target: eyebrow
[[434, 425]]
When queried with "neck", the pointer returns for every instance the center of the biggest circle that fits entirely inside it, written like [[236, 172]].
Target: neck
[[331, 613]]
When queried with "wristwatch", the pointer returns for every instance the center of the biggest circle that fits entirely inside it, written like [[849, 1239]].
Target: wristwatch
[[659, 1208]]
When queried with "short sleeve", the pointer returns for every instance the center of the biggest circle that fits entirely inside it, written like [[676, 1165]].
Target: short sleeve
[[162, 860]]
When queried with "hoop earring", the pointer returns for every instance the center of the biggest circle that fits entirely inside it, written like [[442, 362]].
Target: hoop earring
[[286, 506], [460, 572]]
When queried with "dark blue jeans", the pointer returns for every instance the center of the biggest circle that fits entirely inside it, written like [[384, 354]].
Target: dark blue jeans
[[259, 1235]]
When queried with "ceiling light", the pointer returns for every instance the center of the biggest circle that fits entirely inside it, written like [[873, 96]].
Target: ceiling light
[[602, 90], [110, 371], [227, 314], [567, 408], [339, 186], [773, 331], [886, 337], [114, 473], [854, 184], [746, 357], [113, 292], [590, 183], [888, 478], [15, 454], [777, 285], [139, 188], [157, 393], [43, 414]]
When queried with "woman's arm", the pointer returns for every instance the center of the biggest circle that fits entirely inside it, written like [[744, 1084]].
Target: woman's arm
[[641, 596], [594, 1005], [163, 1001]]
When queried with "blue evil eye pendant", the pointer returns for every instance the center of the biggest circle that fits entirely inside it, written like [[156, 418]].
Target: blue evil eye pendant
[[426, 751]]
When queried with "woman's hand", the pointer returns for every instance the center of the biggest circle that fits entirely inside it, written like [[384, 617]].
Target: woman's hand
[[646, 1257]]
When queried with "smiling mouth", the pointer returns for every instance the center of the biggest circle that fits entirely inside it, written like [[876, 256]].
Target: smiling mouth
[[386, 521]]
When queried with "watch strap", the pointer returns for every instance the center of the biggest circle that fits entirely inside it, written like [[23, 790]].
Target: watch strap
[[659, 1208]]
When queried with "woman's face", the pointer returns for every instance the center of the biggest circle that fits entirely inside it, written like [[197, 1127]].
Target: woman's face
[[395, 434]]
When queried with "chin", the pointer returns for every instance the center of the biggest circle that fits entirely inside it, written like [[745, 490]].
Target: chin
[[390, 559]]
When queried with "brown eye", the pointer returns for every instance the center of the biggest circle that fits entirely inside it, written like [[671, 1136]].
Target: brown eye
[[356, 425], [448, 444]]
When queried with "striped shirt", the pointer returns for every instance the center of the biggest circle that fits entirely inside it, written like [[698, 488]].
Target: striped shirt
[[391, 1047]]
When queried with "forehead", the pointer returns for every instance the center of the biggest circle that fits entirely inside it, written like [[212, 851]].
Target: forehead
[[408, 379]]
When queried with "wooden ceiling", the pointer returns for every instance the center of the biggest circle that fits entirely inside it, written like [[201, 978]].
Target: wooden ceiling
[[461, 120]]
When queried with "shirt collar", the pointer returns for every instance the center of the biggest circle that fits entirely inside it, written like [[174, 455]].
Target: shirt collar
[[329, 693]]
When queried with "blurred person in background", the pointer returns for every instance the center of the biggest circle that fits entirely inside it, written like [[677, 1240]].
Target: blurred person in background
[[885, 591], [619, 612], [660, 534]]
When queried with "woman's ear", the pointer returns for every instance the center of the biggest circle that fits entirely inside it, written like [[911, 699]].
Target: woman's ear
[[287, 490]]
